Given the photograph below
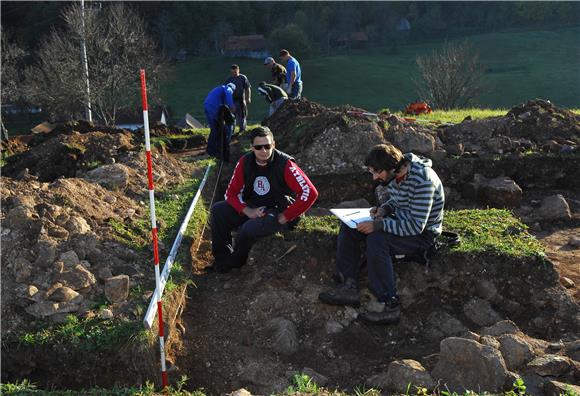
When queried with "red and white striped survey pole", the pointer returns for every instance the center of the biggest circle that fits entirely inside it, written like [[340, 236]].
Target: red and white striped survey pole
[[153, 227]]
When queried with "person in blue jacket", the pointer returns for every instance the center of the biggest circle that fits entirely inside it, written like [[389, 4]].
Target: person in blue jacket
[[219, 108], [293, 85]]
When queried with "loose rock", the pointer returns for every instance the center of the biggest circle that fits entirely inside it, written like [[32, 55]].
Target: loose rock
[[117, 288]]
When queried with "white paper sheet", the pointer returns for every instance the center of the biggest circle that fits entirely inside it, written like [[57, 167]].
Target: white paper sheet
[[352, 216]]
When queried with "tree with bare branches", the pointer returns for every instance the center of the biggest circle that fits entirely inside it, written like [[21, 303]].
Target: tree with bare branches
[[452, 77], [117, 47]]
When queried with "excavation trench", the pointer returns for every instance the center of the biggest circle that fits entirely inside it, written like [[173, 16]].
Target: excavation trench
[[258, 326]]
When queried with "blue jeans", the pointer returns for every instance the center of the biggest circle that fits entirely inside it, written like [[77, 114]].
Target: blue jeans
[[224, 219], [296, 92], [220, 135], [241, 113], [380, 246]]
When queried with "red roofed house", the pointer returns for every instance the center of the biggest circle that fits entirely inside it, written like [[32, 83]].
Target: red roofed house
[[251, 46], [353, 40]]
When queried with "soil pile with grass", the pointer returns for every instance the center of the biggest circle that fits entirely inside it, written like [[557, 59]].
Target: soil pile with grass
[[335, 140], [537, 125], [76, 241]]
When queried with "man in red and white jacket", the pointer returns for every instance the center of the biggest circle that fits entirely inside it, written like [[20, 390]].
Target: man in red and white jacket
[[266, 194]]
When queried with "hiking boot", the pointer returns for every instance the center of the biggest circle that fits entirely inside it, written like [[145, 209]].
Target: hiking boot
[[344, 294], [391, 314]]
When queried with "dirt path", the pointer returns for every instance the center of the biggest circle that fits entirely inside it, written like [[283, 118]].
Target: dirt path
[[566, 258]]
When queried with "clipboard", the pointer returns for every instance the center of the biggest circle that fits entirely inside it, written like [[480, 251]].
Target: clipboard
[[352, 216]]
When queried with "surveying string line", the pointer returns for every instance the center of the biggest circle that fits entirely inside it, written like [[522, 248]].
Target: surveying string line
[[200, 239], [150, 314]]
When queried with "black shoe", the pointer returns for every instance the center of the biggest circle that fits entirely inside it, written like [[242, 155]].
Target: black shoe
[[380, 318], [220, 266], [344, 294], [391, 314], [217, 268]]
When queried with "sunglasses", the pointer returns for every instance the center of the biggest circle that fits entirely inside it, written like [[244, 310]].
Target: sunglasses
[[262, 146]]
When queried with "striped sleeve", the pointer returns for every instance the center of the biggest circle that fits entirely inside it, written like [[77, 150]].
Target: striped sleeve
[[413, 220]]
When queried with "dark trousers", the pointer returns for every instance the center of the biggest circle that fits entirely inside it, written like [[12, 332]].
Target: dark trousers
[[296, 92], [380, 246], [241, 113], [220, 135], [224, 219]]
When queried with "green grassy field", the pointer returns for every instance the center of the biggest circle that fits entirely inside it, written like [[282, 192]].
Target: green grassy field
[[520, 65]]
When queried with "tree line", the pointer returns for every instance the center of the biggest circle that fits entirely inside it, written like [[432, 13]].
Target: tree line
[[202, 27], [41, 61]]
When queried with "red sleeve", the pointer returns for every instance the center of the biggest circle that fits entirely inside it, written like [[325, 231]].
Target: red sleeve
[[306, 193], [234, 191]]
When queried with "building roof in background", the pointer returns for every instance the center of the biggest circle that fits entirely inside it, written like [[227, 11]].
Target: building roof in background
[[353, 36], [246, 43]]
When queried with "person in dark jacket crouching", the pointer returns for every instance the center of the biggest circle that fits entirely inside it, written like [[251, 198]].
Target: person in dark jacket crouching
[[266, 194], [407, 223]]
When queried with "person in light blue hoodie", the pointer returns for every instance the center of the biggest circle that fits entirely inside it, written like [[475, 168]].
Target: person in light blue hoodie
[[407, 223]]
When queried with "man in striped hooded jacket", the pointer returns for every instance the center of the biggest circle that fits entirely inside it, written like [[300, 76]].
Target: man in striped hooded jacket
[[407, 223]]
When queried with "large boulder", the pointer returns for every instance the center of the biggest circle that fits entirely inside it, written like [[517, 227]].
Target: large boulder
[[117, 288], [115, 176], [480, 312], [402, 373], [442, 324], [282, 335], [502, 192], [77, 225], [501, 328], [498, 192], [515, 351], [466, 364], [44, 309], [551, 365], [77, 278], [409, 139], [554, 207], [65, 294], [22, 269]]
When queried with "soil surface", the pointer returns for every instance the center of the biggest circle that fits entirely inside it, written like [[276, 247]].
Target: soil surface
[[566, 258], [258, 326]]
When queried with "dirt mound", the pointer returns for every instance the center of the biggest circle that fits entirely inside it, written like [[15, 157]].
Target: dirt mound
[[66, 154], [160, 129], [62, 207], [537, 125], [14, 145], [336, 140], [541, 120]]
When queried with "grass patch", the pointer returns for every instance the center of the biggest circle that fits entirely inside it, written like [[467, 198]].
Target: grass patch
[[455, 116], [84, 334], [319, 224], [171, 205], [302, 385], [186, 134], [520, 65], [492, 230], [481, 230], [27, 388]]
